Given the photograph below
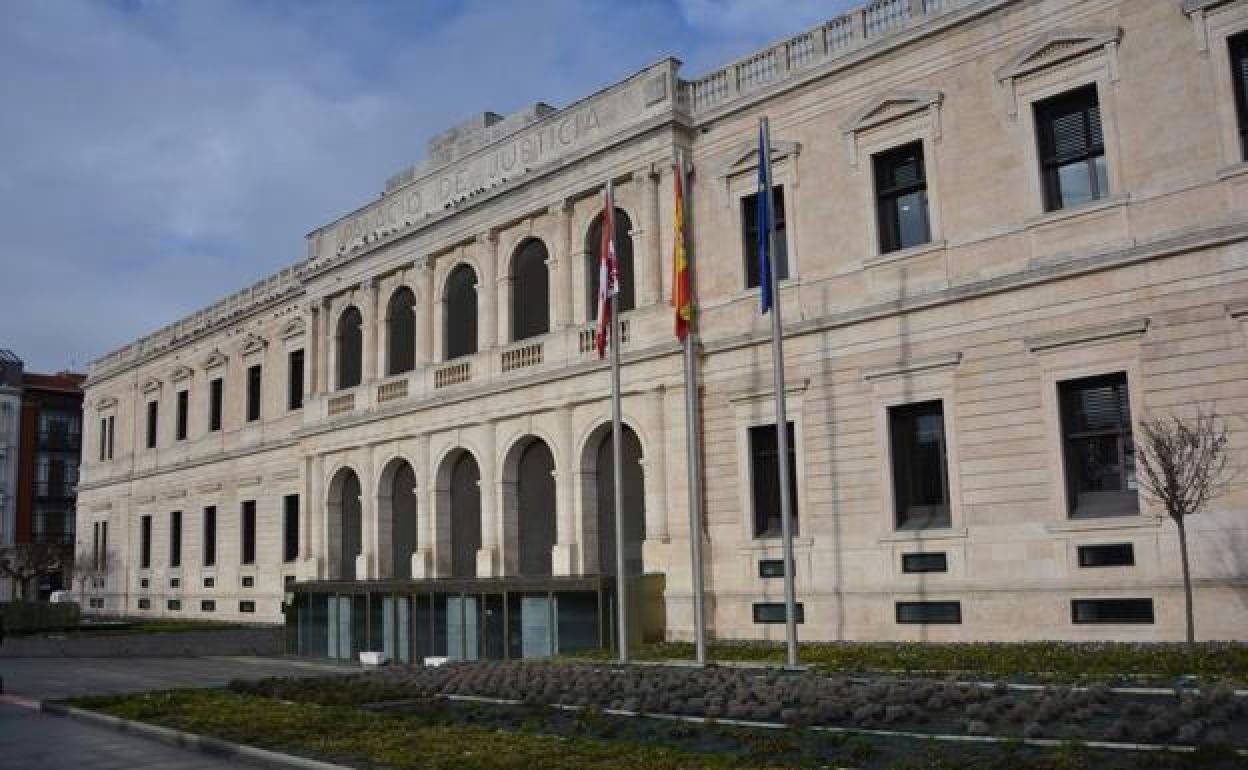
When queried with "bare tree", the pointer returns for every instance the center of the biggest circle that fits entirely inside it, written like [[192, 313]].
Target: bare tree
[[26, 561], [1183, 466], [91, 573]]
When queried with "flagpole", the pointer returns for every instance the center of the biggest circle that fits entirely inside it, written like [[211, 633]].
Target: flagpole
[[782, 425], [621, 578], [692, 440]]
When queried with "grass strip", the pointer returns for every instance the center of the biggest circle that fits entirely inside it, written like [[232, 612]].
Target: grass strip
[[1107, 662], [367, 739]]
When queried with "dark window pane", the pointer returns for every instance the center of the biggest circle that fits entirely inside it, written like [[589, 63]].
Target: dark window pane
[[1239, 77], [153, 413], [924, 562], [920, 465], [290, 527], [535, 500], [1111, 610], [929, 612], [181, 417], [350, 339], [1099, 451], [465, 516], [623, 258], [772, 568], [1115, 555], [1072, 148], [749, 236], [253, 393], [530, 291], [249, 532], [765, 474], [461, 312], [901, 196], [175, 539], [215, 392], [210, 536], [401, 332], [294, 382], [774, 612], [145, 542]]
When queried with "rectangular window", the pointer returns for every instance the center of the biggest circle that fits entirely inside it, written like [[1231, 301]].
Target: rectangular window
[[104, 545], [175, 582], [1239, 77], [920, 465], [174, 605], [294, 390], [290, 527], [1097, 447], [216, 390], [765, 475], [772, 568], [145, 604], [1115, 555], [183, 406], [773, 612], [175, 539], [153, 413], [924, 562], [249, 531], [253, 393], [207, 605], [901, 198], [210, 536], [248, 581], [145, 542], [929, 612], [246, 606], [95, 545], [103, 439], [111, 433], [143, 582], [1072, 149], [1111, 611], [749, 236]]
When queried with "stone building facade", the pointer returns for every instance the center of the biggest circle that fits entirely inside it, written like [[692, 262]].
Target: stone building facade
[[1012, 228]]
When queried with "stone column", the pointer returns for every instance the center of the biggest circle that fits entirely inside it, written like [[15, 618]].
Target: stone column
[[487, 296], [424, 313], [366, 561], [426, 511], [489, 560], [560, 264], [565, 560], [311, 541], [368, 367], [654, 466], [651, 241], [380, 329], [312, 334], [324, 382]]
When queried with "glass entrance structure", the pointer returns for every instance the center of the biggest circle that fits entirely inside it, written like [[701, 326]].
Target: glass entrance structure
[[458, 618]]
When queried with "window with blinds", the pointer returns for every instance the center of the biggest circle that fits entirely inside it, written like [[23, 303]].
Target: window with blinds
[[1072, 149], [749, 236], [1239, 77], [1099, 453], [901, 198]]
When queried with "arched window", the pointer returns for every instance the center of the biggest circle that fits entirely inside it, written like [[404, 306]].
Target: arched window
[[398, 506], [623, 257], [350, 348], [536, 508], [633, 495], [401, 332], [465, 516], [345, 523], [530, 291], [461, 312]]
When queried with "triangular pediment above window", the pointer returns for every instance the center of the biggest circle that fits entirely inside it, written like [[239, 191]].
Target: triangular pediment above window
[[1057, 46], [292, 329], [746, 157], [108, 402], [182, 373], [151, 386], [889, 107], [214, 359], [253, 344]]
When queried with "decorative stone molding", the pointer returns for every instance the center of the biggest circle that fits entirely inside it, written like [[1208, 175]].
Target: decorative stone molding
[[1055, 47], [248, 481], [889, 107], [107, 402], [746, 158], [1100, 333], [144, 499], [209, 487], [287, 474], [213, 360], [790, 388], [253, 344], [1198, 11], [182, 373], [151, 386], [174, 494], [914, 366], [1237, 310], [295, 328]]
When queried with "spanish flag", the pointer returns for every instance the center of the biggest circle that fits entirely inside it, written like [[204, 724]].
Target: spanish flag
[[680, 265]]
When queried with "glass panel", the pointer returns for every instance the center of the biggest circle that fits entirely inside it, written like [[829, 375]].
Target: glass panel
[[387, 628], [577, 619], [404, 627], [1102, 176], [462, 628], [1074, 184], [359, 626], [495, 636], [912, 219], [536, 616]]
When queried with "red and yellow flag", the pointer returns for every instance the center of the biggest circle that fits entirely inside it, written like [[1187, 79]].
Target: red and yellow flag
[[681, 300]]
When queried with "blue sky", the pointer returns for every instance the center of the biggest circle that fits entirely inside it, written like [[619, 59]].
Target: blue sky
[[156, 155]]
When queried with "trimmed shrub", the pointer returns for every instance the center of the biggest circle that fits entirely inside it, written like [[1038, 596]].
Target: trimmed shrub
[[33, 617]]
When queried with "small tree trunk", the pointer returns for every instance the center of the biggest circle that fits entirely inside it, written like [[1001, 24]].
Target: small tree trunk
[[1187, 582]]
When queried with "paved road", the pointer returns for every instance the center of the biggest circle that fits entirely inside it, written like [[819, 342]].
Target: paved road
[[53, 678], [29, 739]]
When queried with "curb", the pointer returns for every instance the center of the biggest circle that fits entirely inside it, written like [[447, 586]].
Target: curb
[[200, 743]]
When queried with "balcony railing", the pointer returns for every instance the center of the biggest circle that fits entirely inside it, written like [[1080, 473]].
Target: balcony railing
[[590, 331], [520, 357], [452, 375], [340, 404], [391, 391]]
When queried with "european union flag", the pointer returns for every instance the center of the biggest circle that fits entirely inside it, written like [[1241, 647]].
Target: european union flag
[[763, 218]]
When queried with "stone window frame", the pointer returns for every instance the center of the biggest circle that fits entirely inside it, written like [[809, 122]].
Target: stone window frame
[[151, 390], [740, 180], [928, 378], [106, 410], [1071, 355], [757, 408], [1055, 63], [889, 121], [1214, 23]]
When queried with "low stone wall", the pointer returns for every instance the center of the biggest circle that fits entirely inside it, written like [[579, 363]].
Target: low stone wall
[[242, 641]]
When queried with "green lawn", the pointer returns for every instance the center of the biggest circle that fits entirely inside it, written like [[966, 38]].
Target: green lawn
[[1048, 661]]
